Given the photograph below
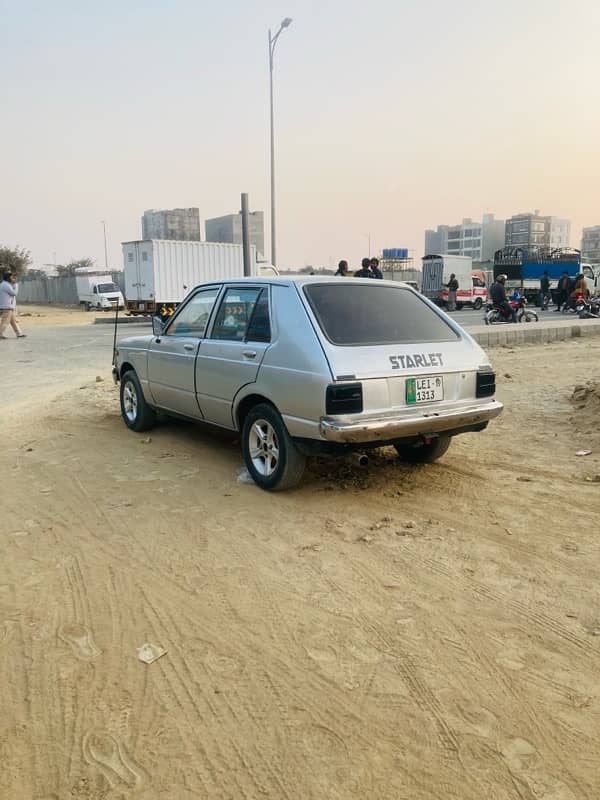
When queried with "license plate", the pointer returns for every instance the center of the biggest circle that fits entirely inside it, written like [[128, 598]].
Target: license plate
[[424, 390]]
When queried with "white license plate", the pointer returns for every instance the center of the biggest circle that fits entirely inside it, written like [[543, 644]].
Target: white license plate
[[424, 390]]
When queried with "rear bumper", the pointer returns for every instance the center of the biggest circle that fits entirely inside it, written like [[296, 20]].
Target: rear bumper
[[424, 423]]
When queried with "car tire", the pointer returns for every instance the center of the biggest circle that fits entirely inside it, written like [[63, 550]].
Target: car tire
[[424, 453], [88, 307], [459, 306], [270, 454], [478, 303], [136, 413]]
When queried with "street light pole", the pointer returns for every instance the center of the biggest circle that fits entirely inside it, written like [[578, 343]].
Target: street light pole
[[272, 42], [105, 247], [368, 236]]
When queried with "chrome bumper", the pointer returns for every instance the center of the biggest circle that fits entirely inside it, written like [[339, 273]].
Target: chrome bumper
[[424, 423]]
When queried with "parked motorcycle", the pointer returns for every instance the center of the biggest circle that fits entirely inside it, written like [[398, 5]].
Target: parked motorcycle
[[495, 315]]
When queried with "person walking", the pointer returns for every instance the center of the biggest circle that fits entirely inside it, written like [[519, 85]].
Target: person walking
[[452, 287], [8, 305], [365, 269], [377, 273], [564, 289], [544, 290], [342, 269]]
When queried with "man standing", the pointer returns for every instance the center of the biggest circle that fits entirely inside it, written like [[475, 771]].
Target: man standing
[[452, 287], [8, 305], [365, 269], [376, 272], [544, 290], [342, 269], [564, 289]]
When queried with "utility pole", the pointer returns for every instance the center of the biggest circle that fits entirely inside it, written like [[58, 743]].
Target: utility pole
[[105, 247], [272, 42]]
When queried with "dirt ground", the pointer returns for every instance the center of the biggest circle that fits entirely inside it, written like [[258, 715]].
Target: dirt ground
[[31, 315], [392, 633]]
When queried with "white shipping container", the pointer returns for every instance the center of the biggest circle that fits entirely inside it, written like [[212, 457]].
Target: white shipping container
[[160, 272], [437, 271]]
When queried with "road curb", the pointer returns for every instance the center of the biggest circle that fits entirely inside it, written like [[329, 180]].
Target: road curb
[[110, 320], [532, 333]]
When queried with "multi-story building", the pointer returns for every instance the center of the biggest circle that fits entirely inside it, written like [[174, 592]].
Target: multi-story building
[[590, 244], [228, 229], [527, 230], [479, 240], [181, 224]]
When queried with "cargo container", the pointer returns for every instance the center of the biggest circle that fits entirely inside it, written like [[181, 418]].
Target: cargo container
[[436, 274], [159, 272]]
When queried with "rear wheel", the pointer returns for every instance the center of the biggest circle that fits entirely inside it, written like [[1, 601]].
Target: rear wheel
[[478, 303], [459, 306], [423, 453], [136, 412], [271, 455]]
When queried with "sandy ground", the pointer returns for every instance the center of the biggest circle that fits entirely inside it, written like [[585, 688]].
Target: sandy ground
[[33, 316], [397, 632]]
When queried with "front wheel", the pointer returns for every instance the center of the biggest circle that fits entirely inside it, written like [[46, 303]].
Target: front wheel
[[423, 453], [478, 303], [528, 316], [136, 413], [271, 455]]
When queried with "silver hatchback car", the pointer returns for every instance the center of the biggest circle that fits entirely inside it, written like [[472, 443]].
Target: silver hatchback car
[[302, 366]]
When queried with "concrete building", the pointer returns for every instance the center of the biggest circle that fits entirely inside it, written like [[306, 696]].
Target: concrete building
[[228, 229], [479, 240], [180, 224], [590, 244], [532, 229]]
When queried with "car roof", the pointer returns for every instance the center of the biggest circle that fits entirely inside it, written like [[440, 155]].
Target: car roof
[[303, 280]]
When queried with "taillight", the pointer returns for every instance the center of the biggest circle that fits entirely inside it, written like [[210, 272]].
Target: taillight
[[344, 398], [486, 384]]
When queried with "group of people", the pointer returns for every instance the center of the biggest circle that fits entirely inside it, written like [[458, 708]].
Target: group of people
[[8, 305], [569, 290], [369, 269]]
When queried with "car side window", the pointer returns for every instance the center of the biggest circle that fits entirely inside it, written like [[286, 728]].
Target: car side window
[[193, 317], [234, 314], [259, 329]]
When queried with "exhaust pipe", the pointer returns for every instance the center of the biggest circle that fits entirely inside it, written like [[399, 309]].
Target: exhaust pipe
[[360, 459]]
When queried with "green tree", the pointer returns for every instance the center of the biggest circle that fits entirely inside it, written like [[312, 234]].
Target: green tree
[[15, 260], [69, 269]]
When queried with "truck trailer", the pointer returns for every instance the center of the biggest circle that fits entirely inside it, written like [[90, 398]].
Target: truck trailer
[[159, 272]]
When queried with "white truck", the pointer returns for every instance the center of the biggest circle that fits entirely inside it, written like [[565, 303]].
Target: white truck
[[436, 274], [96, 289], [159, 272]]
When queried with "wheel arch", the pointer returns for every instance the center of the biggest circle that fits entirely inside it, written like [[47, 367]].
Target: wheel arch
[[243, 406]]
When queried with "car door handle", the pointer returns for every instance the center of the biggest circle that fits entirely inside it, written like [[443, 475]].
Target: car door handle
[[189, 347], [249, 353]]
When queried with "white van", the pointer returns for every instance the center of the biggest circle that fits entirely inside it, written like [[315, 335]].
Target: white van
[[95, 289]]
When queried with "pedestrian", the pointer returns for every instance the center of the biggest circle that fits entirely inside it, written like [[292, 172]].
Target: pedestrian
[[452, 287], [342, 269], [365, 269], [377, 273], [8, 305], [544, 290], [564, 289]]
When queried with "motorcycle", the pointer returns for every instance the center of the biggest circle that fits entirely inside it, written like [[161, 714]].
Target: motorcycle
[[587, 309], [495, 315]]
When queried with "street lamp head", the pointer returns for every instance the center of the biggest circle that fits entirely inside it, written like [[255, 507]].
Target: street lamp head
[[286, 22]]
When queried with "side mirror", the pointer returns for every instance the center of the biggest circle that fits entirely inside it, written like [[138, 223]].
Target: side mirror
[[158, 326]]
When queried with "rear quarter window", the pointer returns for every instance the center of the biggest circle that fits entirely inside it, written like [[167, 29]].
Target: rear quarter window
[[358, 314]]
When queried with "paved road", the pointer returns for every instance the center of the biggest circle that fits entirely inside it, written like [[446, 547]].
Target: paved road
[[55, 357]]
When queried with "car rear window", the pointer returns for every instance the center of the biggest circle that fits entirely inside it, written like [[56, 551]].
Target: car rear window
[[359, 314]]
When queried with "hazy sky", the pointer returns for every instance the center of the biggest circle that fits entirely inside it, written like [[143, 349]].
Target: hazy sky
[[392, 116]]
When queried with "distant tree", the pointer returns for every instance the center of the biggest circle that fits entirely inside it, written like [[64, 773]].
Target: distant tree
[[15, 260], [36, 273], [69, 269]]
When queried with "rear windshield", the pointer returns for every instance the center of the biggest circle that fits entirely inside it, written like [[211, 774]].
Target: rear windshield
[[359, 314]]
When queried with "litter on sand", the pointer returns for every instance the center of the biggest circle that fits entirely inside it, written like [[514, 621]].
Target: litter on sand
[[583, 453], [148, 653], [244, 476]]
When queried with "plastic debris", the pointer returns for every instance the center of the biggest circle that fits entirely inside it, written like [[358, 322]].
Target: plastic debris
[[148, 653], [244, 476], [583, 453]]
